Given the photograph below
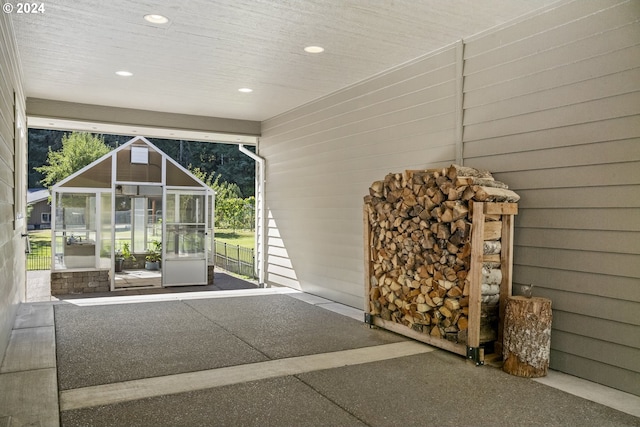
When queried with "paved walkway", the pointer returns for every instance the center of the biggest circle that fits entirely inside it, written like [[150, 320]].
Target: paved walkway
[[263, 357]]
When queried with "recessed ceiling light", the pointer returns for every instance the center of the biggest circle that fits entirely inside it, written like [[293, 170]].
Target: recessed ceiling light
[[245, 90], [124, 73], [314, 49], [156, 19]]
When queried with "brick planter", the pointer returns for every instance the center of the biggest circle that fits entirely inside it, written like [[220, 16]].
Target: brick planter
[[210, 274], [80, 282]]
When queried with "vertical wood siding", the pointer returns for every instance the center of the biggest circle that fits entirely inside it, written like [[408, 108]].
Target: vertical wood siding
[[322, 157], [552, 106], [12, 260]]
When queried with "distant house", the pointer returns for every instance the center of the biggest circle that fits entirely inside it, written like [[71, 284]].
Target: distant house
[[40, 215]]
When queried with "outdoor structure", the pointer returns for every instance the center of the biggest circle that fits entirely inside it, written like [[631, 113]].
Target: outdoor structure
[[137, 203], [548, 99], [40, 213]]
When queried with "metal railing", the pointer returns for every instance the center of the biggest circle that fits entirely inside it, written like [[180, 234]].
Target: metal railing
[[236, 259], [38, 262], [233, 258]]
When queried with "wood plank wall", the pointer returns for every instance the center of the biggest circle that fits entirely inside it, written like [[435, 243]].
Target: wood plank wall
[[322, 157], [552, 106], [12, 258]]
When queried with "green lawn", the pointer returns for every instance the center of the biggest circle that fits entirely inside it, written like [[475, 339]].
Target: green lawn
[[40, 249], [244, 238]]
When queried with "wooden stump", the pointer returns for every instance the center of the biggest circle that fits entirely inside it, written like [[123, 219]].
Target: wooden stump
[[527, 336]]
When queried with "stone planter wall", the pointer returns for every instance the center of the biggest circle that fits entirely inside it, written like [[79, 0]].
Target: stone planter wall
[[210, 274], [80, 282]]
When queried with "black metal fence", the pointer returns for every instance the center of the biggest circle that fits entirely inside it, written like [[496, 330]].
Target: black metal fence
[[236, 259], [38, 262]]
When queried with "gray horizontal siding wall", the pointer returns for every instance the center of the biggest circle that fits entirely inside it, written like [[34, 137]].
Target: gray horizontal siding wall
[[12, 261], [552, 107], [322, 157]]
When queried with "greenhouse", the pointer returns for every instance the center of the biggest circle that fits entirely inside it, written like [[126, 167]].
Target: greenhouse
[[133, 218]]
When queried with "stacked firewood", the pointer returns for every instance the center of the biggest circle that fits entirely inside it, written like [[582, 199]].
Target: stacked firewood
[[420, 249]]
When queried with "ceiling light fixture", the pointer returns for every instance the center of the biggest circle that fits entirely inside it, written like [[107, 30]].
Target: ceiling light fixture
[[245, 90], [156, 19], [124, 73], [314, 49]]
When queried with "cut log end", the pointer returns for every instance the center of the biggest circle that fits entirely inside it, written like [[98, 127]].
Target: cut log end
[[527, 336]]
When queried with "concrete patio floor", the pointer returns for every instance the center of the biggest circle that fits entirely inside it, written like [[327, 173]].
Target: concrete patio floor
[[262, 357]]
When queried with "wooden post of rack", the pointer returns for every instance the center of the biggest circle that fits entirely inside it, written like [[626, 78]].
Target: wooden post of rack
[[475, 278], [367, 261], [506, 265]]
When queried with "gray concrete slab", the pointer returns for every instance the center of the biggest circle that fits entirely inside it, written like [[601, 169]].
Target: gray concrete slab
[[283, 401], [119, 342], [108, 394], [428, 389], [104, 344], [30, 398], [280, 326], [30, 348], [38, 285], [336, 307], [607, 396], [32, 315], [442, 389]]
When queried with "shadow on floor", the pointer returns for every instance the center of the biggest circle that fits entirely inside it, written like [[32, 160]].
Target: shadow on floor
[[39, 287]]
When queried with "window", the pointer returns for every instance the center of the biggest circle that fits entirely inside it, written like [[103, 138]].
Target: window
[[45, 217]]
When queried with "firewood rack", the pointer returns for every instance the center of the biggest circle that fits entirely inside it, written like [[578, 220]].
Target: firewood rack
[[501, 214]]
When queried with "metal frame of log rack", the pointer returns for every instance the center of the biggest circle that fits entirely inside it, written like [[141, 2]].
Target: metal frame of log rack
[[472, 350]]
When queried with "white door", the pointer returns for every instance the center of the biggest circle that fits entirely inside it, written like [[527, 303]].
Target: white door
[[185, 244]]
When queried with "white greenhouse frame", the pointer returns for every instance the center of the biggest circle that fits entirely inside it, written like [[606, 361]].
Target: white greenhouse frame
[[178, 268]]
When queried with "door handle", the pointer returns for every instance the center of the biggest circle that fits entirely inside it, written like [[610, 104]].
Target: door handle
[[27, 249]]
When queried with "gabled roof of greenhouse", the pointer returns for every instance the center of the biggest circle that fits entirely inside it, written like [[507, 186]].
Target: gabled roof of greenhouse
[[137, 161]]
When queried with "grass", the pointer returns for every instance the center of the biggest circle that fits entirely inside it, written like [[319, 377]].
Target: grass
[[244, 238], [40, 249]]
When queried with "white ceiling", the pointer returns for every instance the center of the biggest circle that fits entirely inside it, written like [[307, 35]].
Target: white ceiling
[[211, 48]]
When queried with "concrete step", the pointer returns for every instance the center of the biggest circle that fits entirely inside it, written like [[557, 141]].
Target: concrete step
[[28, 380]]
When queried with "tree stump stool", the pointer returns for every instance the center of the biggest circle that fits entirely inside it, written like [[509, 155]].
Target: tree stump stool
[[527, 336]]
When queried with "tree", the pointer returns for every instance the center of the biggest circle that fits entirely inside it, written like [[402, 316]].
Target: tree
[[78, 150], [40, 141], [231, 209], [223, 159]]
